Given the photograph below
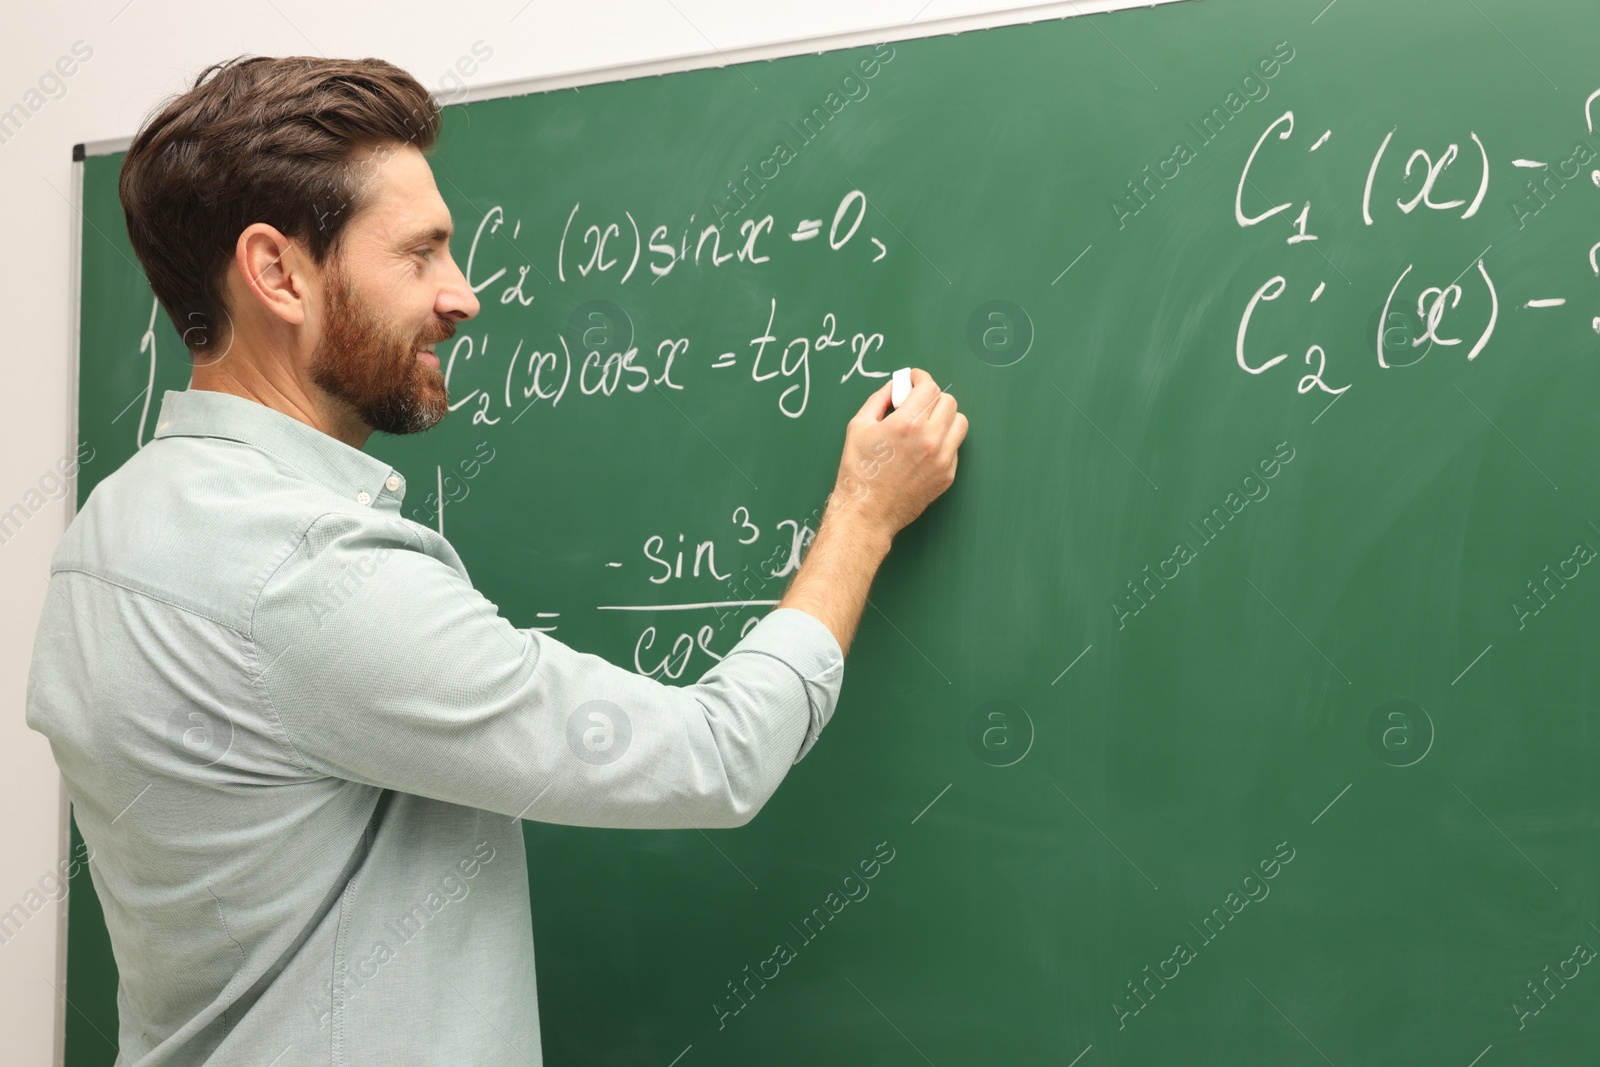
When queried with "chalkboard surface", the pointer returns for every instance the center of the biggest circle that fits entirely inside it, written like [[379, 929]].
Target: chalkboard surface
[[1237, 705]]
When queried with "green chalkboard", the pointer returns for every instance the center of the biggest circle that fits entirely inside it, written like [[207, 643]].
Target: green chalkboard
[[1237, 704]]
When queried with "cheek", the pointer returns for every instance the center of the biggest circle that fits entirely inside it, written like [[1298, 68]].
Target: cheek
[[398, 335]]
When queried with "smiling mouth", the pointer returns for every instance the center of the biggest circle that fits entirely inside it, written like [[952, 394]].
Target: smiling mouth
[[428, 356]]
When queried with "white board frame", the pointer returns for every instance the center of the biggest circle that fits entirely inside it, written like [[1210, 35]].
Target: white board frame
[[896, 31]]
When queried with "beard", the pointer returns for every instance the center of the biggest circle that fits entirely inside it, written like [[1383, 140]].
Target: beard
[[373, 367]]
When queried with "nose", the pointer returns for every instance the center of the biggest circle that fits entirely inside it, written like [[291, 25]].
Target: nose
[[456, 299]]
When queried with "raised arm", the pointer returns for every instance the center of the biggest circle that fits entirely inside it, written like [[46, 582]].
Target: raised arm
[[895, 464]]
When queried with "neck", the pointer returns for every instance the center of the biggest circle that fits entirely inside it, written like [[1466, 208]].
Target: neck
[[303, 401]]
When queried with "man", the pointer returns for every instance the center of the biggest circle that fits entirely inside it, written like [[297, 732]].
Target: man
[[296, 738]]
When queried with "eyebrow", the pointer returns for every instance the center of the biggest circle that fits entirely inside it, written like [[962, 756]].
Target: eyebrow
[[429, 235]]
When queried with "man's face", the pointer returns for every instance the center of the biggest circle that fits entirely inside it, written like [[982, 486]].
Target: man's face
[[390, 293]]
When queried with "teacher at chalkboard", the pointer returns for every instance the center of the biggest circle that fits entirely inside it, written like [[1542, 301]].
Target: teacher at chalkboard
[[297, 741]]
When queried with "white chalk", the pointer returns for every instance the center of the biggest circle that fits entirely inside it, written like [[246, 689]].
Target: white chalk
[[901, 387]]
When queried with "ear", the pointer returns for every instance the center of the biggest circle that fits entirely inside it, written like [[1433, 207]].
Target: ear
[[272, 269]]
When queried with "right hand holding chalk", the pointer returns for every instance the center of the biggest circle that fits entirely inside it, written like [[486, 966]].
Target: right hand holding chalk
[[900, 388], [899, 455]]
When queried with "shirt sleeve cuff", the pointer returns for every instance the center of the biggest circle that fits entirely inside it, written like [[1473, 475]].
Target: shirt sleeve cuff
[[801, 641]]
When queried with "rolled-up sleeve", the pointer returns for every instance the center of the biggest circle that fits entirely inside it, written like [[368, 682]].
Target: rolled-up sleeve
[[382, 664]]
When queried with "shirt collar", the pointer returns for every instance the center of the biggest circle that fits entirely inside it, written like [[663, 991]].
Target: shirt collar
[[326, 460]]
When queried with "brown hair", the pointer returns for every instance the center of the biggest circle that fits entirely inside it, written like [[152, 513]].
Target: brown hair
[[258, 139]]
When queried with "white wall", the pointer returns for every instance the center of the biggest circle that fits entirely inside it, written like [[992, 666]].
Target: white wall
[[143, 51]]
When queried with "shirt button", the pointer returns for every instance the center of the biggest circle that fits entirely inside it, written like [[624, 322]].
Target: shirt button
[[392, 482], [363, 497]]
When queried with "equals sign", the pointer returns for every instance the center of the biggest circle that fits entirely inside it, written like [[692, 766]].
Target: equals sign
[[547, 615], [727, 359], [808, 229], [1554, 303]]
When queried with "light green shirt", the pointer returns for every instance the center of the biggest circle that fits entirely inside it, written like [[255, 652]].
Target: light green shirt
[[299, 743]]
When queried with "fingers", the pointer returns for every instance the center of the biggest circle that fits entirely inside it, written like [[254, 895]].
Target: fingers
[[943, 414], [924, 391], [949, 448], [926, 400], [878, 404]]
